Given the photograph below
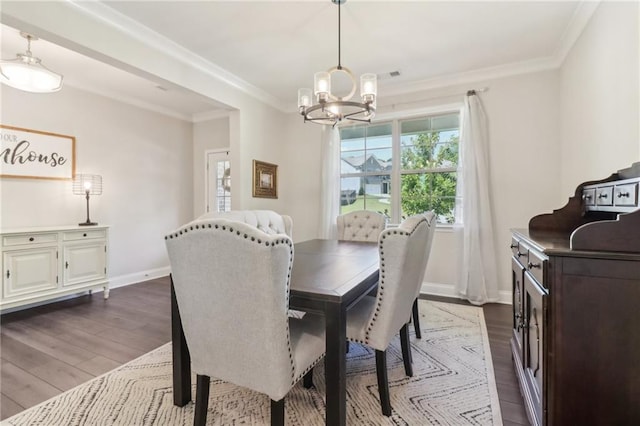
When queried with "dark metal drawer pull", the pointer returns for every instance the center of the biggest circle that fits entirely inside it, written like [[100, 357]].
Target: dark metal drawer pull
[[8, 273], [514, 245], [519, 254], [31, 238], [623, 194], [533, 265], [603, 195]]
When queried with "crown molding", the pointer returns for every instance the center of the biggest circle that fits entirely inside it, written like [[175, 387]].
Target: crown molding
[[157, 42], [572, 32], [576, 26]]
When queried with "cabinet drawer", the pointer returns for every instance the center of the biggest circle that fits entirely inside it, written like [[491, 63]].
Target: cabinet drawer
[[626, 195], [537, 267], [589, 196], [515, 245], [84, 235], [604, 196], [26, 239]]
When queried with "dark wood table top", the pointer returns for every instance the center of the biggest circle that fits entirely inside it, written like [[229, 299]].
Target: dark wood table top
[[331, 270]]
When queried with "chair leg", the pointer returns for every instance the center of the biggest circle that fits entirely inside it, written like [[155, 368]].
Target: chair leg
[[307, 379], [202, 400], [383, 382], [277, 412], [405, 344], [416, 319]]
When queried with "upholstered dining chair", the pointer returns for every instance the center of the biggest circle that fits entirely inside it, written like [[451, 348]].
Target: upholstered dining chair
[[374, 321], [231, 282], [265, 220], [431, 217], [360, 225]]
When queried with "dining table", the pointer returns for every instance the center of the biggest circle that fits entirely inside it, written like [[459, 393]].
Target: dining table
[[327, 277]]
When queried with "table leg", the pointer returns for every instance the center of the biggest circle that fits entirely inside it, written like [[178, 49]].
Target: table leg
[[336, 365], [180, 356]]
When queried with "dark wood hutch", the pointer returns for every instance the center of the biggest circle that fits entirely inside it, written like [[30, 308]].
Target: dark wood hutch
[[576, 307]]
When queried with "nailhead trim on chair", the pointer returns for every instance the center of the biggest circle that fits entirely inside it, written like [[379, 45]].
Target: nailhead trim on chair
[[380, 293], [184, 230]]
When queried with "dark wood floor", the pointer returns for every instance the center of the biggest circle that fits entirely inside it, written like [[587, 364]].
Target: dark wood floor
[[49, 349]]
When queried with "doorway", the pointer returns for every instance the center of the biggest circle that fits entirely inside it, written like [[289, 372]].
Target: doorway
[[218, 181]]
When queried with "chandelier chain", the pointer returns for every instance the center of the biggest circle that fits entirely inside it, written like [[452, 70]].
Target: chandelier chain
[[339, 36]]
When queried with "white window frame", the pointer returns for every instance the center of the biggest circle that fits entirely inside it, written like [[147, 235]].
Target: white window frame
[[395, 118]]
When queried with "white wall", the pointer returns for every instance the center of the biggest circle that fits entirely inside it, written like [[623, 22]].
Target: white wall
[[145, 162], [600, 97]]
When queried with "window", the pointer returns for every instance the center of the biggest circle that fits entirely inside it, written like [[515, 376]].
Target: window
[[402, 167]]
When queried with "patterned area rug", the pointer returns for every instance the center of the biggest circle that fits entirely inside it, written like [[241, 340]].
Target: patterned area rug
[[453, 384]]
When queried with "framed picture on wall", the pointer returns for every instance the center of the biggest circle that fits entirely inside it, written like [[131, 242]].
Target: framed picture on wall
[[26, 153], [265, 180]]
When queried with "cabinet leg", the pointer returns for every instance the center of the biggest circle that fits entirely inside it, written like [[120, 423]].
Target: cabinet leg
[[106, 292]]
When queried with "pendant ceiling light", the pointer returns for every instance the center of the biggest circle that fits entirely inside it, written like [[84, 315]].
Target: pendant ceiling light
[[331, 109], [27, 73]]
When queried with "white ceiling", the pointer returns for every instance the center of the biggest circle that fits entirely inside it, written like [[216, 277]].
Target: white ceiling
[[277, 46]]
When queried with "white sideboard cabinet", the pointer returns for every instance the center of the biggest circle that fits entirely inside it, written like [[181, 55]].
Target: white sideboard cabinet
[[43, 263]]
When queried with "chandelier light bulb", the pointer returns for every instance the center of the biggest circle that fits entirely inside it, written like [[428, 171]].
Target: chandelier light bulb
[[322, 85]]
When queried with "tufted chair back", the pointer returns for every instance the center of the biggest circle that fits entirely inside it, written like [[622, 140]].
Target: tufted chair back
[[267, 221], [402, 267], [360, 225], [231, 282]]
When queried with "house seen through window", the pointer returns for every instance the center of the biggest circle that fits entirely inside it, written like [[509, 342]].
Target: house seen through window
[[401, 167]]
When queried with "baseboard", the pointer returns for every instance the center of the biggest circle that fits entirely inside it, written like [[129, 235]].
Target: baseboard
[[448, 290], [125, 280]]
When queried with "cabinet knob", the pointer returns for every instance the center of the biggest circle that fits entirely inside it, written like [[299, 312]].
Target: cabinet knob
[[533, 265], [84, 235], [66, 265], [31, 238], [8, 273], [623, 194], [514, 245], [518, 254], [602, 195]]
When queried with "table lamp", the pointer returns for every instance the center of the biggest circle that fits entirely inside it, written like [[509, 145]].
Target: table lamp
[[84, 184]]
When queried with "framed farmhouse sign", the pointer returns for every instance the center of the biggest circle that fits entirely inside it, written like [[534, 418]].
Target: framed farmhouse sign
[[26, 153]]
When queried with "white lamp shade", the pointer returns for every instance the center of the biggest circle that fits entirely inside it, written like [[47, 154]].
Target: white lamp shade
[[322, 84], [85, 182], [304, 98], [30, 78], [368, 87]]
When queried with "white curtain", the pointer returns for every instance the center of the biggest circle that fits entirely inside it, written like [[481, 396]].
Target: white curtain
[[478, 279], [330, 192]]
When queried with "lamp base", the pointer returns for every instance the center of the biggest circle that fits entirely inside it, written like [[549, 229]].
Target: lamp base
[[88, 223]]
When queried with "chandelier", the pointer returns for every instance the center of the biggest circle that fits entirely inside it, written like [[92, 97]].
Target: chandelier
[[27, 73], [331, 109]]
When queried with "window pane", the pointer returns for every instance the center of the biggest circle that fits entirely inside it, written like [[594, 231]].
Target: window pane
[[429, 191], [366, 193], [352, 162], [378, 160], [428, 150]]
